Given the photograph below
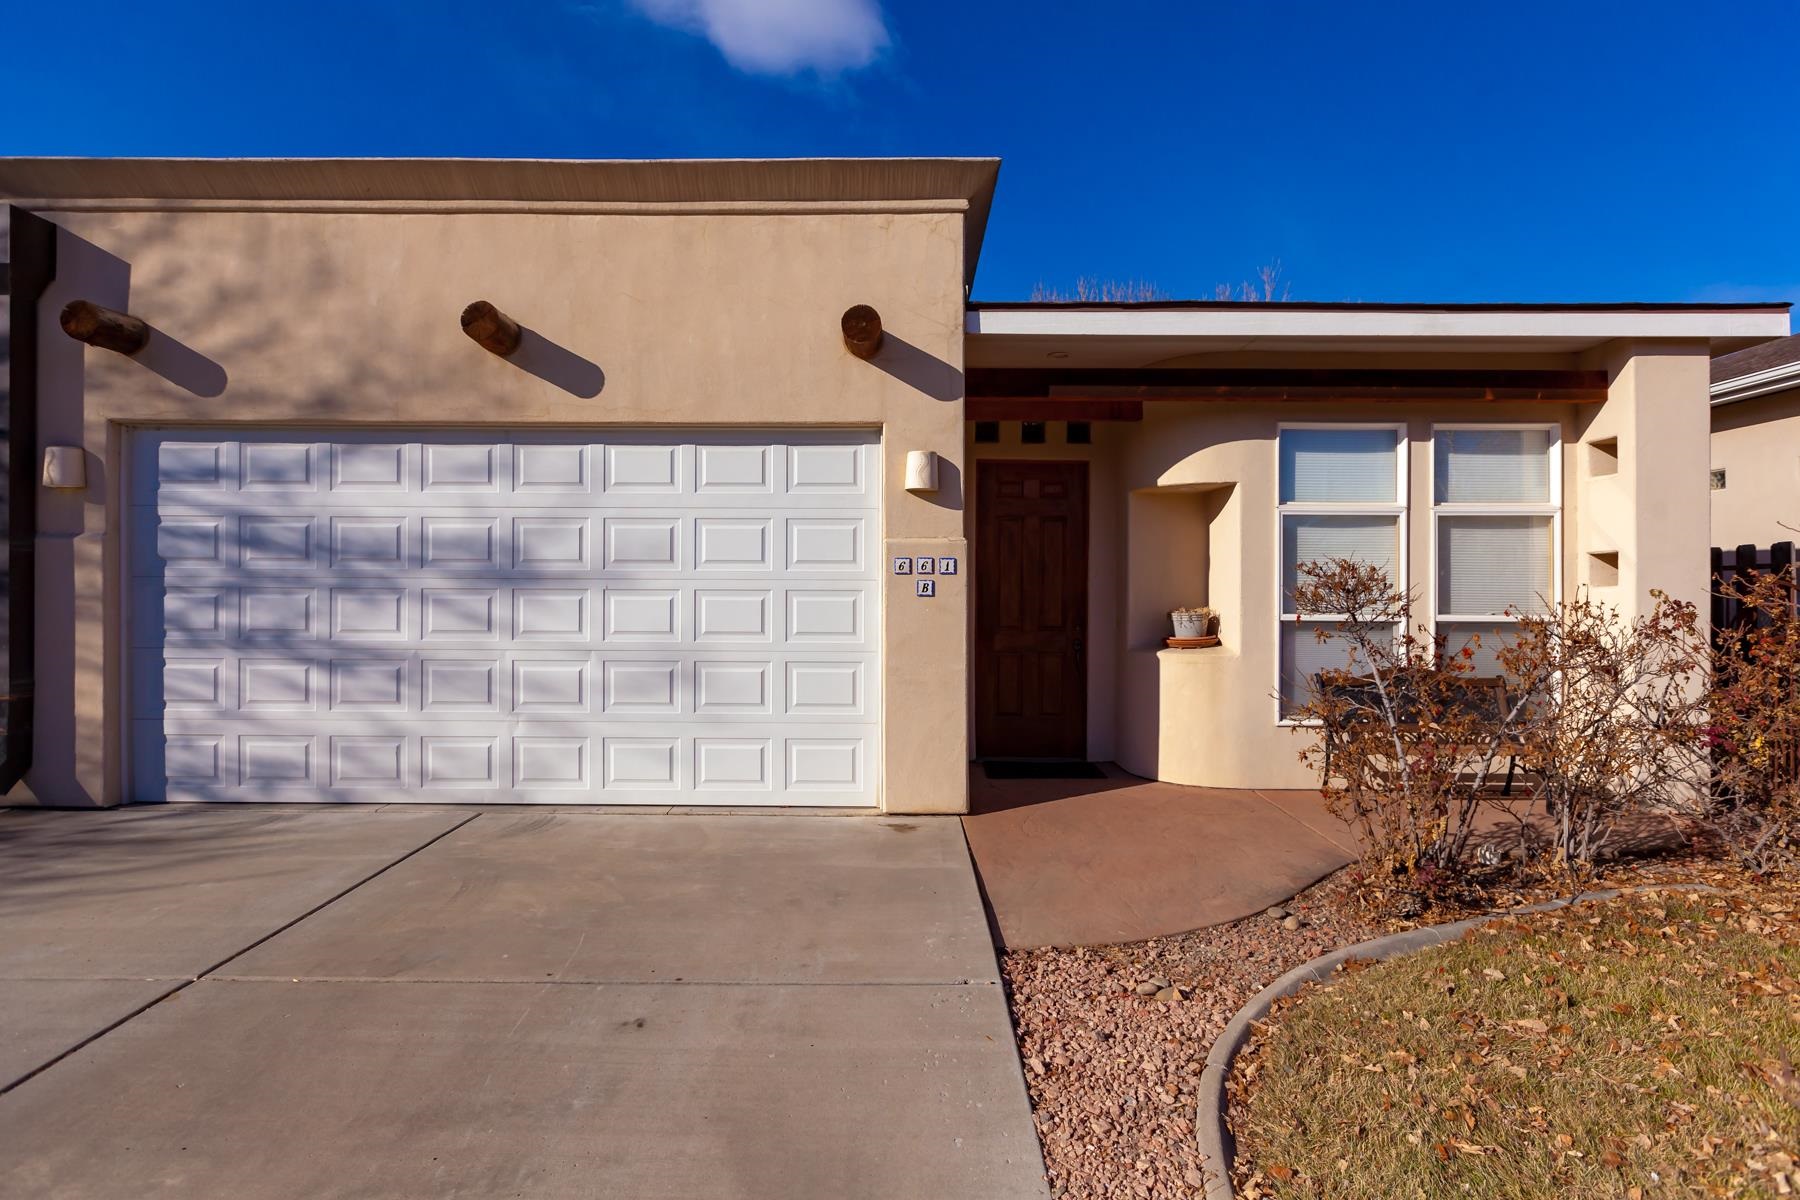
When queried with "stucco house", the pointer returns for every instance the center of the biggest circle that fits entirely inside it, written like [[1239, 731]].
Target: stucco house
[[704, 483], [1756, 445]]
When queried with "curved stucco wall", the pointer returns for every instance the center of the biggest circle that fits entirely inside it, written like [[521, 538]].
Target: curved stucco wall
[[1208, 717]]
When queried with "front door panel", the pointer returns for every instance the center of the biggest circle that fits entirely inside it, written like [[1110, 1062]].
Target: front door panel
[[1031, 610]]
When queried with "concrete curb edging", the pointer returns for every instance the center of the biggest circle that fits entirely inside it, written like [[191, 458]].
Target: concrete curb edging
[[1216, 1144]]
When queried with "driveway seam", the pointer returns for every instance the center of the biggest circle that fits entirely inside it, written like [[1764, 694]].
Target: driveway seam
[[235, 954]]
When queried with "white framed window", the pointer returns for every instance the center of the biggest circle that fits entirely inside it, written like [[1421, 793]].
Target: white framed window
[[1342, 494], [1496, 537]]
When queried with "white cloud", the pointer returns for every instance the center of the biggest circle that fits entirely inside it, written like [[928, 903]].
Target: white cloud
[[780, 37]]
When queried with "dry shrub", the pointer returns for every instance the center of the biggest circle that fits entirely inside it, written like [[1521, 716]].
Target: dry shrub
[[1754, 727], [1407, 744], [1604, 714], [1615, 728]]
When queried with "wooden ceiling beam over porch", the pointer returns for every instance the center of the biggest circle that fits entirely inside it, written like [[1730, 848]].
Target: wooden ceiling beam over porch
[[1059, 408], [1050, 390]]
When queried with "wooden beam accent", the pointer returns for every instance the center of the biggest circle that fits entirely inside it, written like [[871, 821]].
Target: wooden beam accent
[[862, 330], [106, 328], [491, 329], [1297, 384], [1300, 394], [1055, 408]]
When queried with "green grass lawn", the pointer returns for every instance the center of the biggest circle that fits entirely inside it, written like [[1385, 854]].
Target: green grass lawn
[[1640, 1047]]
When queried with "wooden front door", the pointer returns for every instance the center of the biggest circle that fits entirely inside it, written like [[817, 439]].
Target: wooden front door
[[1031, 610]]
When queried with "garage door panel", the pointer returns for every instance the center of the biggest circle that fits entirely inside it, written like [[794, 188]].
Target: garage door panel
[[725, 463], [746, 767], [536, 619], [650, 612]]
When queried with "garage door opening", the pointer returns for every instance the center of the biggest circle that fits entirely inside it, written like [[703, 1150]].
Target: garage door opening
[[637, 617]]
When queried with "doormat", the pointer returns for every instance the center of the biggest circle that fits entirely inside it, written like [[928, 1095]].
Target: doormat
[[1042, 770]]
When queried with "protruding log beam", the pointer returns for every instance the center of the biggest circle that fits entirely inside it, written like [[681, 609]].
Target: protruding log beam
[[492, 329], [87, 322], [862, 330]]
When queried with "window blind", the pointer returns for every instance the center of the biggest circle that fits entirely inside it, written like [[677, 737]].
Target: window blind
[[1339, 466], [1487, 564], [1312, 538], [1303, 656], [1492, 466], [1484, 659]]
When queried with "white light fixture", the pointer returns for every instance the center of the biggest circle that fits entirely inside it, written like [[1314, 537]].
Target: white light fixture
[[921, 471], [65, 467]]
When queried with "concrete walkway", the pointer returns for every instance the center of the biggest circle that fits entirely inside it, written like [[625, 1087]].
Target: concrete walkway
[[1082, 862], [251, 1002]]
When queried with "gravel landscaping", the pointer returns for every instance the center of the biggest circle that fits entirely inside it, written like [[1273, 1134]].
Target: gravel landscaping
[[1114, 1037]]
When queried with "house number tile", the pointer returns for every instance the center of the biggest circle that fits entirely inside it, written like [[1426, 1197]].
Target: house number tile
[[946, 566], [925, 587], [924, 566], [903, 564]]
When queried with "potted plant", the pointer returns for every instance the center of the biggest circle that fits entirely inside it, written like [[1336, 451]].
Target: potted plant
[[1195, 622]]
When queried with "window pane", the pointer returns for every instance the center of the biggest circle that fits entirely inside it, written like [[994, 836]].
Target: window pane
[[1303, 656], [1492, 466], [1484, 659], [1487, 564], [1304, 539], [1339, 465]]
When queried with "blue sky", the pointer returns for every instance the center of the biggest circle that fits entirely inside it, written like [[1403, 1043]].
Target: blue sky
[[1379, 151]]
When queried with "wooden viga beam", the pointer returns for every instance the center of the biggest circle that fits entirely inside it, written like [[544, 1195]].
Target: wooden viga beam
[[93, 325], [862, 330], [491, 329]]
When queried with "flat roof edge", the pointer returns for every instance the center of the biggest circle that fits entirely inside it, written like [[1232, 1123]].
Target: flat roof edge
[[150, 182], [1357, 306], [1727, 324], [500, 179]]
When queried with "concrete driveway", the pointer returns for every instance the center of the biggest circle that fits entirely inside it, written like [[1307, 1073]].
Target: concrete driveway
[[278, 1002]]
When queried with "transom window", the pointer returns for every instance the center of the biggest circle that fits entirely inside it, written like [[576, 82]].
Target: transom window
[[1343, 495], [1496, 512]]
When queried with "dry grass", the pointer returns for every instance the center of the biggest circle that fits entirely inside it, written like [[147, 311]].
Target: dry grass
[[1638, 1048]]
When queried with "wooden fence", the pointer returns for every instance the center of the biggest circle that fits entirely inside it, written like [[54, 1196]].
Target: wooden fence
[[1728, 566], [1729, 613]]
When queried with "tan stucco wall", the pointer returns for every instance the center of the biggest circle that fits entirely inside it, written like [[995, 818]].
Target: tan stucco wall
[[1209, 716], [1756, 442], [313, 318], [1194, 521], [1649, 505]]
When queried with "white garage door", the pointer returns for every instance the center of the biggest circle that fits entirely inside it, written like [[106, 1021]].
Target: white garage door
[[635, 618]]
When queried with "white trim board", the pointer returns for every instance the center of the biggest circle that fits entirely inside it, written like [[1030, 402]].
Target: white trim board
[[1753, 323]]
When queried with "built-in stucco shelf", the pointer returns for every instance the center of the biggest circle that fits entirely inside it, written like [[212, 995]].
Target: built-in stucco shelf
[[1184, 656], [1170, 530]]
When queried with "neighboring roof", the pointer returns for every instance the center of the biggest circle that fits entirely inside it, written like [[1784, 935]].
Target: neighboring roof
[[1017, 333], [1770, 367], [68, 183]]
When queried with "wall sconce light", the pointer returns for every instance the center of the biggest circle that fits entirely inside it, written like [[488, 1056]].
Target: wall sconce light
[[65, 467], [921, 471]]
